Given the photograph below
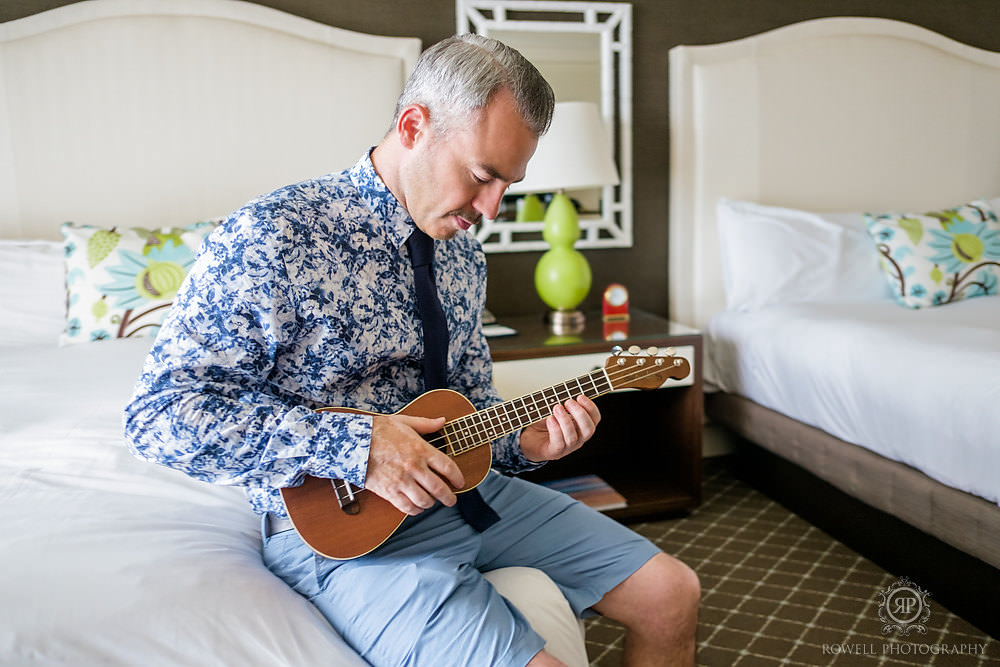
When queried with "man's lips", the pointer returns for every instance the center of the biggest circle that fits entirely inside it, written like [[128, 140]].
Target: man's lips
[[464, 224]]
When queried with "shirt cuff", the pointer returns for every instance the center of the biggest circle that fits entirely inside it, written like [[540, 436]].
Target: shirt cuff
[[343, 441]]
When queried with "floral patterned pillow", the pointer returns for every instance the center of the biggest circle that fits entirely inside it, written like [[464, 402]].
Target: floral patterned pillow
[[120, 282], [939, 257]]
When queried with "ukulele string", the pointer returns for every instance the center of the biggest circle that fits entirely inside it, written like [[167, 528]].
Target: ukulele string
[[617, 375]]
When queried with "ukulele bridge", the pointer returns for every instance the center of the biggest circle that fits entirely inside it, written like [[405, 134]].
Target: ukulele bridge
[[349, 502]]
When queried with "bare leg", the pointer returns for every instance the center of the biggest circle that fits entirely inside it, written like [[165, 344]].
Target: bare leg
[[543, 659], [658, 605]]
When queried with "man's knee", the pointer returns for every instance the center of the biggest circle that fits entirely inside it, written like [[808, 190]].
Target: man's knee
[[664, 592], [543, 659], [686, 582], [674, 585]]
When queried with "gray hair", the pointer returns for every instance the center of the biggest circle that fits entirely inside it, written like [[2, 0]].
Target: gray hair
[[458, 76]]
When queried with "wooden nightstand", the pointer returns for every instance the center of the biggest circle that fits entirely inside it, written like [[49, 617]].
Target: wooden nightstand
[[648, 444]]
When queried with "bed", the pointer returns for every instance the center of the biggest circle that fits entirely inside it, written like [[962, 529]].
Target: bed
[[141, 122], [860, 348]]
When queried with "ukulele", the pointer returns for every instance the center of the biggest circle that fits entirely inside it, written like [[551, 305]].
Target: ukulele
[[340, 521]]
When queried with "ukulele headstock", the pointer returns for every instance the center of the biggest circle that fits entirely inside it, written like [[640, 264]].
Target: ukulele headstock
[[636, 368]]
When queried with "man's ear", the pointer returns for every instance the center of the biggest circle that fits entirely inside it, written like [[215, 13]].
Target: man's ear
[[414, 122]]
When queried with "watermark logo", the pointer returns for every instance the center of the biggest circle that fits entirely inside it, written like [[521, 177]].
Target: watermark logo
[[903, 608]]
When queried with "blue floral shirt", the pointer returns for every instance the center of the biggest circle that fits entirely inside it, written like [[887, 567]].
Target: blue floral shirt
[[301, 299]]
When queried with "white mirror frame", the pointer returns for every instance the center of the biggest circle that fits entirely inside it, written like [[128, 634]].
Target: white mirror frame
[[612, 23]]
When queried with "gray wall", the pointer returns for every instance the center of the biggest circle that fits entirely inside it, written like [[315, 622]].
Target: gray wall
[[659, 25]]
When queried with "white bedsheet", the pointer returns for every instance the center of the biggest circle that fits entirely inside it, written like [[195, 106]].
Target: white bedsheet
[[109, 560], [917, 386]]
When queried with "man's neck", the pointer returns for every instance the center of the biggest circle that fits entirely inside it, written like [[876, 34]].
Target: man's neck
[[384, 157]]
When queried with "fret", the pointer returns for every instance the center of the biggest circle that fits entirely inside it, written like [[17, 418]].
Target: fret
[[470, 437], [484, 425], [525, 412], [508, 414], [547, 403], [474, 426], [453, 436], [550, 401], [449, 446], [480, 426], [496, 423], [595, 390], [534, 410], [519, 411]]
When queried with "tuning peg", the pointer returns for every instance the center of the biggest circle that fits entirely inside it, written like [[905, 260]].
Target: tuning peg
[[634, 350], [617, 350], [653, 351], [669, 352]]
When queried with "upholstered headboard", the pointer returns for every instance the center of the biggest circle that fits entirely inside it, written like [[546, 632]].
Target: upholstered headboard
[[165, 112], [834, 115]]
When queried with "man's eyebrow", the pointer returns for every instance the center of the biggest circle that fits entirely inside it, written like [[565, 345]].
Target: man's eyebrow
[[496, 174]]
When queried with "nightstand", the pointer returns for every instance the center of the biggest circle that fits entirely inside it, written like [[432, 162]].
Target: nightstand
[[648, 444]]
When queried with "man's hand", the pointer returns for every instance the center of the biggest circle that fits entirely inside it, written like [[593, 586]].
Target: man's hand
[[407, 471], [570, 425]]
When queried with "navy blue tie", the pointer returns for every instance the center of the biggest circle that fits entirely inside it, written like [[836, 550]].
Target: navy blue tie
[[470, 504]]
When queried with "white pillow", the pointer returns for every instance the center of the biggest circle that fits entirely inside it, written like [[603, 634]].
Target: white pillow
[[774, 255], [32, 292]]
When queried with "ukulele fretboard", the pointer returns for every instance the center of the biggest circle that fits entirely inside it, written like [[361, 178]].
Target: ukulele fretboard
[[487, 425]]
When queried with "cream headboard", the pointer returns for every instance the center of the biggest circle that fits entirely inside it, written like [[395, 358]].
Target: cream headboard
[[164, 112], [835, 115]]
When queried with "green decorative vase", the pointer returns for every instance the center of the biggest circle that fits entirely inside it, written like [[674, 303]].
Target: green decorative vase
[[530, 209], [562, 276]]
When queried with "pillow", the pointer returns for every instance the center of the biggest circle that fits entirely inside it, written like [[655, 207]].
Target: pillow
[[939, 257], [776, 255], [120, 282], [32, 292]]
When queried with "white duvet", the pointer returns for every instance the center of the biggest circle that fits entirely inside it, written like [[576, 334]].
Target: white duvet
[[917, 386], [108, 560]]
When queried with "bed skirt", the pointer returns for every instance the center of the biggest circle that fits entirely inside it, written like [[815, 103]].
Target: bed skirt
[[964, 521]]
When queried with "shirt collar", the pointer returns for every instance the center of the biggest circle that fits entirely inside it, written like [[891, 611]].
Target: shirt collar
[[380, 201]]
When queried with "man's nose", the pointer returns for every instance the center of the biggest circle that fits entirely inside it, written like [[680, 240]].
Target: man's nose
[[487, 201]]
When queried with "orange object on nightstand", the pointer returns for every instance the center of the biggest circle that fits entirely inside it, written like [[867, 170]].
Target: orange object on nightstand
[[614, 312]]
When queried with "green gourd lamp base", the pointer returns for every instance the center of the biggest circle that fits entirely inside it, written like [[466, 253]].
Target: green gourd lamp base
[[562, 275]]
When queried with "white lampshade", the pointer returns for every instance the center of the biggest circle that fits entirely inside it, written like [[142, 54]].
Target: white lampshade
[[573, 155]]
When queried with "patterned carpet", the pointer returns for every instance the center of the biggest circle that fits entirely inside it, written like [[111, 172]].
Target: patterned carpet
[[778, 591]]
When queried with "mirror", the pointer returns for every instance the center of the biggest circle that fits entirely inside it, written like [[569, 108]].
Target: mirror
[[584, 50]]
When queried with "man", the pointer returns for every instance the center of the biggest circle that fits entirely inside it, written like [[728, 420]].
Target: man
[[306, 298]]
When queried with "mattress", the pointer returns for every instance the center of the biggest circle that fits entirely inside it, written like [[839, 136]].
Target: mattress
[[915, 386]]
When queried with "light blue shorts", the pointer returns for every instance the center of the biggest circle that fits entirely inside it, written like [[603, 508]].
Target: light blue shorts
[[420, 598]]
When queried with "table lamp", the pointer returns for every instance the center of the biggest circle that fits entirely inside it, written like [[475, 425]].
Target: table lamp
[[574, 154]]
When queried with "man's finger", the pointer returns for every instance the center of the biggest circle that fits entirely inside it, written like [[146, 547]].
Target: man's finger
[[423, 425]]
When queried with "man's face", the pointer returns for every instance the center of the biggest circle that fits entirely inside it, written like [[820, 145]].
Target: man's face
[[449, 183]]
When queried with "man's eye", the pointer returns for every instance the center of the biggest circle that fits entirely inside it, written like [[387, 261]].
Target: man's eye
[[480, 180]]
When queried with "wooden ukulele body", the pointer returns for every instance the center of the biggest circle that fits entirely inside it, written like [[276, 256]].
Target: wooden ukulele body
[[328, 529]]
